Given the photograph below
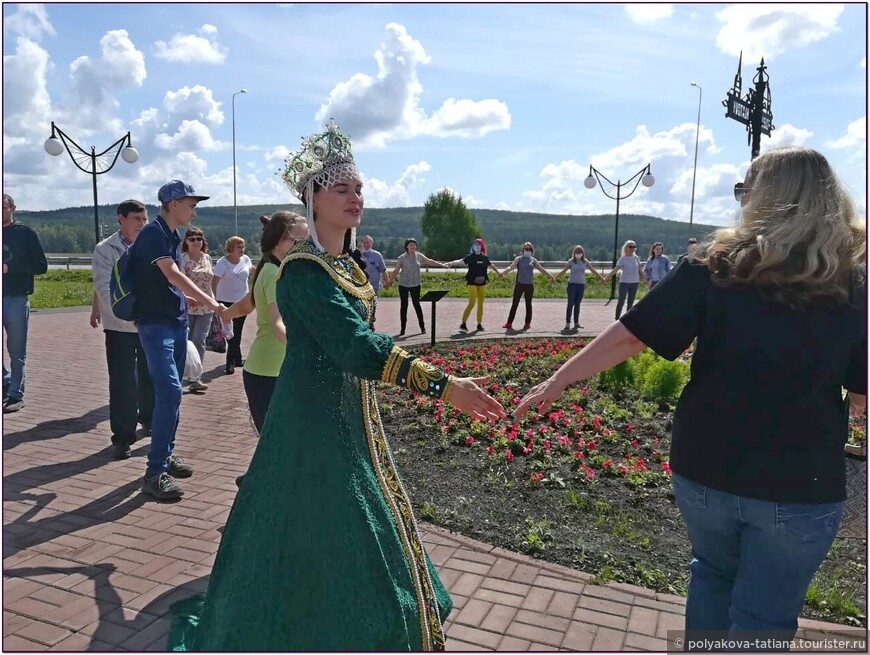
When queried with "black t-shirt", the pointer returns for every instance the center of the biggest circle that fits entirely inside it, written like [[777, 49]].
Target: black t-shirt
[[763, 414], [477, 269]]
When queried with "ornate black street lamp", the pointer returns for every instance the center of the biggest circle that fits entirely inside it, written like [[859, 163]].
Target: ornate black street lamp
[[94, 163], [754, 109], [643, 176]]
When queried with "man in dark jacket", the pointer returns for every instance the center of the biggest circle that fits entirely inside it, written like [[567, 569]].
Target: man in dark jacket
[[22, 259]]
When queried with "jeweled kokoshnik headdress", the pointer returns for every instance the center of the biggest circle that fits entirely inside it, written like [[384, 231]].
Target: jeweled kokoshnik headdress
[[324, 158]]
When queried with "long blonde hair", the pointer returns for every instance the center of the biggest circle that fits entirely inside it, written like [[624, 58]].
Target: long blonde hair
[[799, 239]]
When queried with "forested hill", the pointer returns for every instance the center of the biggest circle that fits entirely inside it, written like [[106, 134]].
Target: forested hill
[[71, 230]]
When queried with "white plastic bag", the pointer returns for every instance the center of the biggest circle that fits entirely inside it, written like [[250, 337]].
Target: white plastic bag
[[228, 329], [193, 364]]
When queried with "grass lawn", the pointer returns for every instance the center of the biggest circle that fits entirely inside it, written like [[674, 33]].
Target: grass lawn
[[58, 288]]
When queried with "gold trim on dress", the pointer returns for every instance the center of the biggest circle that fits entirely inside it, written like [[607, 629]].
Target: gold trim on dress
[[343, 270], [431, 630]]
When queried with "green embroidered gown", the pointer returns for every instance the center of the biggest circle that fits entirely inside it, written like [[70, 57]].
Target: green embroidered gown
[[321, 550]]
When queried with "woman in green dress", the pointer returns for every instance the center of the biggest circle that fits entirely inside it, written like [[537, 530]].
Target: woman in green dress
[[321, 550]]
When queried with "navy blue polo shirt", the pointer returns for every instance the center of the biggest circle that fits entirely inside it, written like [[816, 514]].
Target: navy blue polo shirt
[[157, 301]]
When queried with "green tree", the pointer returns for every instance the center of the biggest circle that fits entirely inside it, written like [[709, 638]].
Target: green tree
[[448, 226]]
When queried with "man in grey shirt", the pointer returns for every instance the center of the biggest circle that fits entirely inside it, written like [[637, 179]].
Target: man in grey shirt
[[376, 268]]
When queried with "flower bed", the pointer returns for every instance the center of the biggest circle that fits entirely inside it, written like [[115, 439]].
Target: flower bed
[[587, 484]]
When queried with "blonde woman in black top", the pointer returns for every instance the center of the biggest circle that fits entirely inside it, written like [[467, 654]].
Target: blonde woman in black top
[[778, 307]]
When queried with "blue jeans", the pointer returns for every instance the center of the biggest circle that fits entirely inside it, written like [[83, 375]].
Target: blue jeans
[[575, 297], [166, 351], [626, 289], [753, 560], [16, 316]]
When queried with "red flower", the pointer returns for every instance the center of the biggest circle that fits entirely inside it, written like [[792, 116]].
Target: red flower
[[508, 455], [629, 428], [596, 423], [666, 468], [579, 455], [590, 445], [547, 445], [527, 450], [490, 451], [469, 441], [634, 443], [537, 477], [607, 464]]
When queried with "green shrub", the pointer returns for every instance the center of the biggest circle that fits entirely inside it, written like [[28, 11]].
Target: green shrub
[[664, 380], [618, 378]]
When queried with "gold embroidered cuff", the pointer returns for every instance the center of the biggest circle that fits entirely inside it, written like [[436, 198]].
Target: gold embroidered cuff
[[406, 370]]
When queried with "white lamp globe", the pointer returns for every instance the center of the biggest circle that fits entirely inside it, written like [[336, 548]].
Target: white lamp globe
[[53, 146], [589, 182], [648, 180], [129, 154]]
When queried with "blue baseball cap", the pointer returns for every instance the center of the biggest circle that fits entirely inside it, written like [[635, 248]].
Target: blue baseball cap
[[177, 190]]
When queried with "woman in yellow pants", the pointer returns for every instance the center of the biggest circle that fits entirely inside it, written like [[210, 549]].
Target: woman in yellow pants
[[476, 277]]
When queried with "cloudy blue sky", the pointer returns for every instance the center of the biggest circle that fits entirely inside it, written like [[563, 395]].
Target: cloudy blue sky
[[506, 104]]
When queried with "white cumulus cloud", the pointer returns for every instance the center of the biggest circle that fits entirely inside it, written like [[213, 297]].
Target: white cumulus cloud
[[203, 48], [30, 20], [768, 30], [96, 81], [387, 106], [191, 136], [649, 13], [785, 135], [379, 193], [193, 102], [855, 137]]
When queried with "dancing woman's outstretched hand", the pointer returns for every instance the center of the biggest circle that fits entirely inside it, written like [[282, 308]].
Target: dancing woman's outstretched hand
[[466, 395], [541, 396]]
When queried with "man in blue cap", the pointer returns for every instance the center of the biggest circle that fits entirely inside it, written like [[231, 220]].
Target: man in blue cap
[[161, 290]]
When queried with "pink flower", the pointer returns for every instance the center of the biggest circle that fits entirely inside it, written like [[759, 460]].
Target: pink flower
[[607, 464], [547, 445], [490, 451], [527, 450], [537, 477], [579, 455], [596, 423], [469, 441], [508, 455], [666, 468], [634, 443]]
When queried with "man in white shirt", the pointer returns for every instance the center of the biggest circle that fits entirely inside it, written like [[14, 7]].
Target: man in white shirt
[[376, 268], [131, 394]]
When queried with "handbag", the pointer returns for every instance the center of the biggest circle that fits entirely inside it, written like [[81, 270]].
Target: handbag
[[216, 340]]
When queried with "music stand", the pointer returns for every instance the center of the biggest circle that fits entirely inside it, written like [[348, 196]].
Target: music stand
[[433, 297]]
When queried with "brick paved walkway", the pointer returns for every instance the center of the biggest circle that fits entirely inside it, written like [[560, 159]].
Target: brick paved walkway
[[89, 564]]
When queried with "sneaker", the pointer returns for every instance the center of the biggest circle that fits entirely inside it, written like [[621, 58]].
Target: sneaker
[[12, 405], [162, 487], [508, 326], [463, 327], [121, 451], [197, 385], [178, 468], [527, 326], [480, 327]]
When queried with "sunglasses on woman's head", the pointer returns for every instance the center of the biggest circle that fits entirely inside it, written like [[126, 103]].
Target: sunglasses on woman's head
[[740, 190]]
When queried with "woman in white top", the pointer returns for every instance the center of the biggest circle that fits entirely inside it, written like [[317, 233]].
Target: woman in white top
[[197, 266], [576, 284], [632, 275], [230, 284]]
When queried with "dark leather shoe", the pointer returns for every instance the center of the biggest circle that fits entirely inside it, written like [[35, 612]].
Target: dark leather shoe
[[230, 369], [121, 451]]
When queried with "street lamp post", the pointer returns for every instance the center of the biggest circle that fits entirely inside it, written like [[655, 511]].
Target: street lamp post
[[235, 206], [94, 163], [695, 169], [643, 176]]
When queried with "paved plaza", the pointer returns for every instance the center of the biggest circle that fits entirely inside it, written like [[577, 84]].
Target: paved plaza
[[91, 564]]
